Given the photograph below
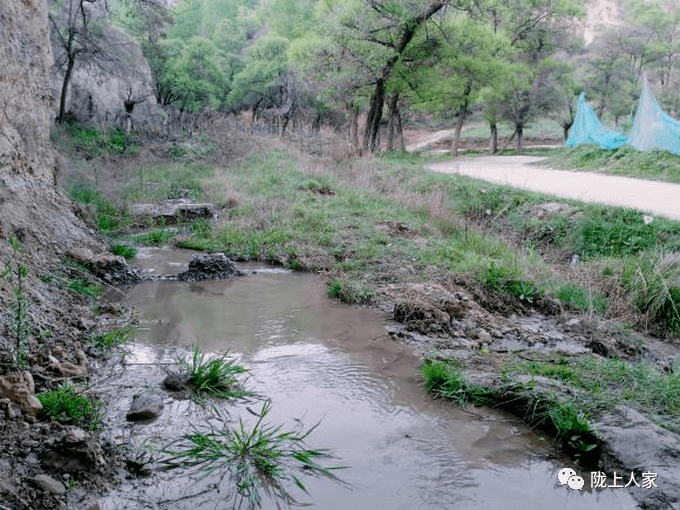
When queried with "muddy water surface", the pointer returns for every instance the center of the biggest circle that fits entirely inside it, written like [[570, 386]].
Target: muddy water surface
[[320, 361]]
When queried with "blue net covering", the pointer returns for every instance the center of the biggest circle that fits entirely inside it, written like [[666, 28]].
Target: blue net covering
[[652, 128], [587, 129]]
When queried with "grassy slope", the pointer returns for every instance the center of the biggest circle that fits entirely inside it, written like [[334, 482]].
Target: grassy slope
[[654, 165]]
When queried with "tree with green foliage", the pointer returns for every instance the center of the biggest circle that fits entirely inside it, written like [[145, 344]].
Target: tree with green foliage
[[264, 82], [364, 41], [463, 58]]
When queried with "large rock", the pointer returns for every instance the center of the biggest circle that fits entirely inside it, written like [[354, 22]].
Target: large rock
[[99, 87], [632, 442], [213, 266], [171, 212], [48, 484], [19, 388], [111, 269]]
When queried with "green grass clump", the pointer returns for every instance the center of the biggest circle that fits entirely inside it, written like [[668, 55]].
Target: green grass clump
[[95, 143], [350, 292], [262, 459], [581, 298], [107, 216], [605, 384], [213, 376], [156, 236], [124, 250], [446, 379], [84, 287], [653, 284], [111, 339], [67, 406]]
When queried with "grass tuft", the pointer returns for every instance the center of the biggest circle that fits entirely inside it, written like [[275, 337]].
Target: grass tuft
[[111, 339], [84, 287], [446, 379], [124, 250], [263, 459], [350, 292], [214, 376], [67, 406]]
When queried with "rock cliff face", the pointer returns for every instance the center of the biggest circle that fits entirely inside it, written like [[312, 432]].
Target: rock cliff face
[[600, 15], [100, 86], [26, 100], [31, 207]]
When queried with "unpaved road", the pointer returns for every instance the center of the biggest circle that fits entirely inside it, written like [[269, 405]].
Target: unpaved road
[[658, 198]]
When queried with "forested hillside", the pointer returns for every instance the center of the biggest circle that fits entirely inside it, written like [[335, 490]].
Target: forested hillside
[[327, 61]]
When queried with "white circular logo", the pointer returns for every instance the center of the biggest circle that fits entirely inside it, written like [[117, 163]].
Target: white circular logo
[[576, 483], [564, 475]]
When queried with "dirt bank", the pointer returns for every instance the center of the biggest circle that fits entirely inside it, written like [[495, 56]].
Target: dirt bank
[[516, 171]]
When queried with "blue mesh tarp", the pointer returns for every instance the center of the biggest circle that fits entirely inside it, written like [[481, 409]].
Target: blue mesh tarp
[[587, 129], [652, 128]]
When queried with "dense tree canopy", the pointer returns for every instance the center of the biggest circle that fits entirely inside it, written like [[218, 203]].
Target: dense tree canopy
[[511, 60]]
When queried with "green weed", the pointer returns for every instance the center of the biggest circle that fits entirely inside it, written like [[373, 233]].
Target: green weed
[[262, 459], [66, 405], [581, 298], [111, 339], [213, 376], [605, 384], [350, 291], [16, 272], [84, 287], [124, 250], [446, 379]]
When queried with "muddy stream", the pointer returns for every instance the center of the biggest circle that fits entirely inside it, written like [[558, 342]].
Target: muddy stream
[[321, 361]]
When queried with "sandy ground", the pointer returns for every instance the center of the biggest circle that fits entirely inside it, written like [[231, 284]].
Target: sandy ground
[[657, 198]]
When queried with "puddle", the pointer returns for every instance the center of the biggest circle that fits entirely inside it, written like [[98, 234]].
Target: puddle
[[320, 361]]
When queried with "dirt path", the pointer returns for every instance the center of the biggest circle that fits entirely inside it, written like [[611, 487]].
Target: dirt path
[[659, 198]]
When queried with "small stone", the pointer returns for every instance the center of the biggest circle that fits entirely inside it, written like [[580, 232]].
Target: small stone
[[483, 336], [86, 324], [145, 406], [48, 484], [20, 389], [176, 382]]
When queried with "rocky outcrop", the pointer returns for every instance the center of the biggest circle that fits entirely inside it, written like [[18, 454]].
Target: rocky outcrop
[[26, 99], [213, 266], [171, 212], [100, 85]]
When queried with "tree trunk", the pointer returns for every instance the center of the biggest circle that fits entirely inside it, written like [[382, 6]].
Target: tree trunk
[[374, 116], [520, 138], [507, 144], [354, 127], [64, 89], [400, 132], [493, 139], [565, 131], [462, 113], [393, 106], [456, 134]]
